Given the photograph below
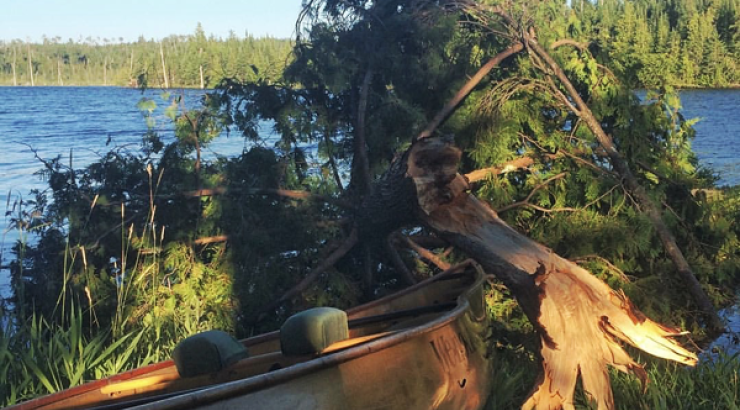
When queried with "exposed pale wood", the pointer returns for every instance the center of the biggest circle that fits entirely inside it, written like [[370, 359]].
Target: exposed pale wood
[[509, 166], [164, 67], [211, 239], [30, 64], [579, 317], [15, 56]]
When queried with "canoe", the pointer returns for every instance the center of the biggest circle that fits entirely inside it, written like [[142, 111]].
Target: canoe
[[422, 348]]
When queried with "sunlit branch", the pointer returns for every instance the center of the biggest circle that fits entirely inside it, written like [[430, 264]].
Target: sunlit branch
[[426, 254]]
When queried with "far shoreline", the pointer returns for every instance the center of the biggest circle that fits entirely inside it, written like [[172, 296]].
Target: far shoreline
[[676, 86]]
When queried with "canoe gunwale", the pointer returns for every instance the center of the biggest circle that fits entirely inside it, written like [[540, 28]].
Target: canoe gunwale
[[213, 393], [239, 387]]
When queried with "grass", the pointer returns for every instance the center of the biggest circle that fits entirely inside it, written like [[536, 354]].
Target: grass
[[714, 384], [38, 358]]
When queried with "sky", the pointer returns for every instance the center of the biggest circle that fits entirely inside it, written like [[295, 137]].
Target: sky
[[154, 19]]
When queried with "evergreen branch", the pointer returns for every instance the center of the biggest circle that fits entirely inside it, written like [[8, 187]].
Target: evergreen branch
[[620, 273], [287, 193], [452, 104], [563, 152], [525, 201]]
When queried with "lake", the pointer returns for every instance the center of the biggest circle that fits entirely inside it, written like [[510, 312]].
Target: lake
[[81, 120], [57, 120]]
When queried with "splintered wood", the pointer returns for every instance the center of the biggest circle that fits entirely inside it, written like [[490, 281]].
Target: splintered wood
[[579, 318]]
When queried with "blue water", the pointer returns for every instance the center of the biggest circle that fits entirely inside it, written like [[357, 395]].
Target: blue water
[[717, 142], [80, 123], [57, 121]]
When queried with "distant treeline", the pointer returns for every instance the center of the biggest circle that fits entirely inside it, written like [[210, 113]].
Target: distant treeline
[[176, 61], [686, 43], [651, 42]]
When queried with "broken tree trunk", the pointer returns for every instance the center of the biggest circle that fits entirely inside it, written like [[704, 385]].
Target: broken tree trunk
[[579, 318]]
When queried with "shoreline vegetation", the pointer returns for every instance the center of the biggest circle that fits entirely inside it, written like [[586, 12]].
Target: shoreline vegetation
[[177, 61], [683, 43], [143, 248]]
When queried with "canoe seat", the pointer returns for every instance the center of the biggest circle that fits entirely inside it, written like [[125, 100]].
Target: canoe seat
[[207, 352], [311, 331]]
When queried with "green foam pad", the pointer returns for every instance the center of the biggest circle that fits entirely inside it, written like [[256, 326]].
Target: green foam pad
[[311, 331], [207, 352]]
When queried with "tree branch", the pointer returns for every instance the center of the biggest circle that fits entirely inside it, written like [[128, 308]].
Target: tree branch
[[311, 277], [452, 104], [426, 254], [396, 259], [569, 42], [509, 166], [332, 162], [287, 193]]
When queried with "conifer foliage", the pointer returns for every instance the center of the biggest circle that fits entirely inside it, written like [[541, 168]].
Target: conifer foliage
[[348, 199]]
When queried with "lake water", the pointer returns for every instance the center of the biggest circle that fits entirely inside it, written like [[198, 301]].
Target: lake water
[[55, 121], [81, 120]]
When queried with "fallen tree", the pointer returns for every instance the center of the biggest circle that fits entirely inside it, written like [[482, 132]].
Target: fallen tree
[[579, 319]]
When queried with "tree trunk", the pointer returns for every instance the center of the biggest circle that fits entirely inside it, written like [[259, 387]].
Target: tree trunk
[[59, 72], [15, 78], [200, 68], [578, 317], [164, 67], [30, 65]]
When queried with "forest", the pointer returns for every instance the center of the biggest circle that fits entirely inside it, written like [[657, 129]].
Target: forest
[[527, 110], [683, 43], [177, 61]]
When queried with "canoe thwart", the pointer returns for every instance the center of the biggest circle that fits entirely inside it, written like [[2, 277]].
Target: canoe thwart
[[313, 330], [207, 352]]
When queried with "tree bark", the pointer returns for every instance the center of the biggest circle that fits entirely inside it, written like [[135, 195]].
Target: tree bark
[[578, 317]]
